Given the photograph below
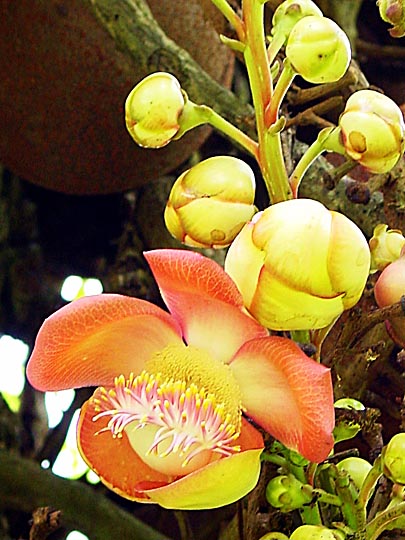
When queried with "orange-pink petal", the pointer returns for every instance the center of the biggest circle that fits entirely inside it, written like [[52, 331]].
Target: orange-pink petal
[[288, 394], [220, 483], [114, 459], [92, 340], [205, 301]]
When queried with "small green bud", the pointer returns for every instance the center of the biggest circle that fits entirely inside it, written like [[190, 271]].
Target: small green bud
[[287, 493], [315, 532], [393, 459], [347, 429], [357, 468], [385, 246], [373, 130], [318, 50], [153, 109], [289, 12], [211, 202]]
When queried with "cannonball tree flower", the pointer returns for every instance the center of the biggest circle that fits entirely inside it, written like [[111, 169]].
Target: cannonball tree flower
[[167, 423], [393, 459], [153, 108], [289, 12], [299, 265], [211, 202], [372, 130], [318, 49]]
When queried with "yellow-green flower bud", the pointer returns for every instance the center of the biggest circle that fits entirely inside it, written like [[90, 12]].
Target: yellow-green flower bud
[[289, 12], [347, 428], [315, 532], [393, 11], [393, 458], [153, 108], [287, 493], [299, 265], [385, 246], [373, 129], [357, 468], [318, 50], [211, 202]]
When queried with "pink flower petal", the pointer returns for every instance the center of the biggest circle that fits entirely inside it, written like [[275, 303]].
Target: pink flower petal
[[94, 339], [205, 301], [114, 459], [288, 394], [219, 483]]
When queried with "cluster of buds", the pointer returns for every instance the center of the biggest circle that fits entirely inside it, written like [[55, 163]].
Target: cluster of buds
[[373, 130], [299, 265], [211, 202], [393, 12]]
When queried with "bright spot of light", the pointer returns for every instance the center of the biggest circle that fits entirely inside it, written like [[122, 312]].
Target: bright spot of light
[[92, 286], [92, 477], [75, 287], [76, 535], [13, 355], [69, 463], [56, 403], [45, 463]]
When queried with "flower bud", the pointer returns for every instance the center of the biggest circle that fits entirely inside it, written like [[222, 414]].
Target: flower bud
[[287, 493], [357, 468], [315, 532], [393, 11], [318, 50], [393, 459], [385, 246], [388, 290], [153, 108], [372, 128], [299, 265], [289, 12], [347, 428], [211, 202]]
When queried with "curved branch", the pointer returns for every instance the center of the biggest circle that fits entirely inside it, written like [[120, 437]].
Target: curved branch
[[25, 486]]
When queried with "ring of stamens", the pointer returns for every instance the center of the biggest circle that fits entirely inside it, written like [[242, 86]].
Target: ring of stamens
[[188, 418]]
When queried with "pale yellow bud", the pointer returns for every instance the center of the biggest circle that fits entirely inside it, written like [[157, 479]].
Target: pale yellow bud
[[299, 265], [153, 108], [385, 246], [315, 532], [318, 50], [373, 130], [211, 202], [289, 12]]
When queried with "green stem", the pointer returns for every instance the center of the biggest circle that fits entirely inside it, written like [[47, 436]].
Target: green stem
[[283, 84], [391, 518], [194, 115], [276, 43], [270, 157], [304, 163], [368, 487], [229, 13]]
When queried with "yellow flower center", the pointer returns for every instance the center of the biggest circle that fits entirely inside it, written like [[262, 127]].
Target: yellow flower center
[[181, 413]]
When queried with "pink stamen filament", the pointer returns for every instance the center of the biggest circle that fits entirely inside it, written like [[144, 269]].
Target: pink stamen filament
[[189, 416]]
